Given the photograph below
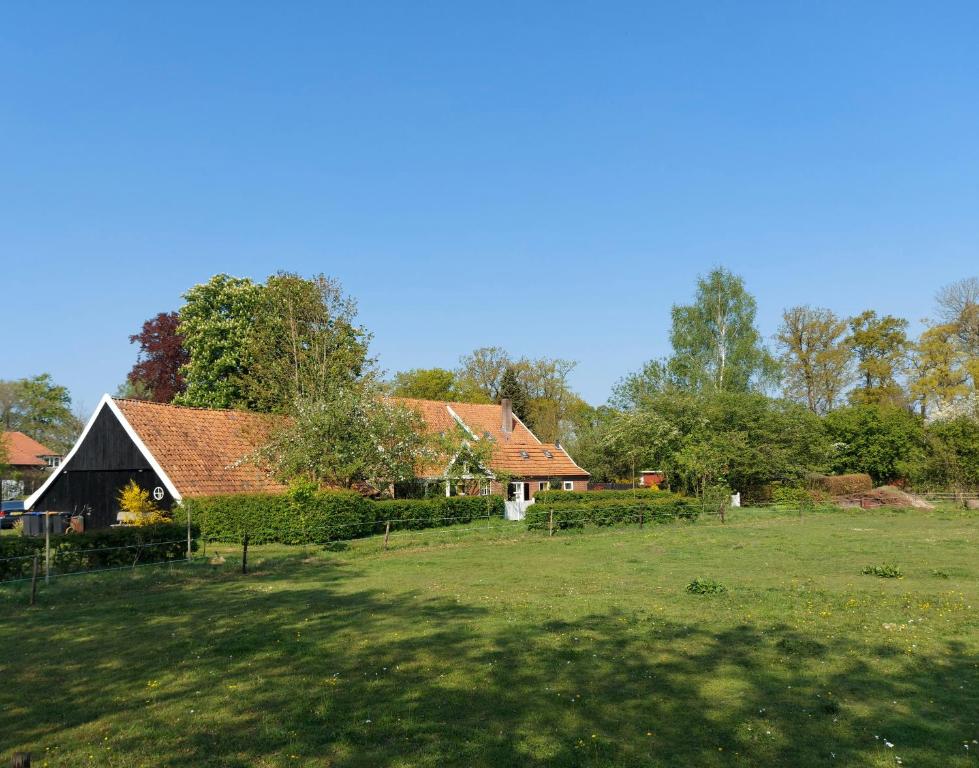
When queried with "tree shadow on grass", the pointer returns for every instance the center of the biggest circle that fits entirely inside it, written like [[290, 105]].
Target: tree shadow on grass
[[290, 667]]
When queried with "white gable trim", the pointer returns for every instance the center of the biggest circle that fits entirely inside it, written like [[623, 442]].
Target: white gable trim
[[461, 423], [108, 402]]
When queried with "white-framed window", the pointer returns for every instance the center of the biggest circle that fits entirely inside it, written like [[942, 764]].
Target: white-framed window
[[568, 485], [484, 489], [543, 485], [52, 461]]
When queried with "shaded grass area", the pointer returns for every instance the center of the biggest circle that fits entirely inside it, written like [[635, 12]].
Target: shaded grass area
[[492, 646]]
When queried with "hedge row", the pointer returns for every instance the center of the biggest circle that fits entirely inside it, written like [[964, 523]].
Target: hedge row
[[93, 550], [436, 512], [592, 496], [318, 518], [661, 508]]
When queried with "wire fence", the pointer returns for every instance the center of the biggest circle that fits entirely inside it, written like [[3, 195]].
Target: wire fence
[[52, 563]]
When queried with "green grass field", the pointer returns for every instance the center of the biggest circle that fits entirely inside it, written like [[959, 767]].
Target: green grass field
[[503, 648]]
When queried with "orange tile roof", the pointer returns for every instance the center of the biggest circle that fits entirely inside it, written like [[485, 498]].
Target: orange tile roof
[[485, 421], [203, 451], [24, 451]]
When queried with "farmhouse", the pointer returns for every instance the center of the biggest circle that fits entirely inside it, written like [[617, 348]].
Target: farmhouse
[[176, 452], [27, 464]]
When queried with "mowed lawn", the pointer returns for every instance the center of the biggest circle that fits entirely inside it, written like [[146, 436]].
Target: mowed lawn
[[506, 648]]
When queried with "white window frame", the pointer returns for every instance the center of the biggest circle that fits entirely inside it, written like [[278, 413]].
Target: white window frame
[[543, 485], [567, 485]]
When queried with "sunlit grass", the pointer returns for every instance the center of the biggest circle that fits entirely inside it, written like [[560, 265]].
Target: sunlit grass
[[490, 646]]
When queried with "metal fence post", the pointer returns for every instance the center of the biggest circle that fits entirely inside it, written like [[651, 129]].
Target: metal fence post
[[188, 533]]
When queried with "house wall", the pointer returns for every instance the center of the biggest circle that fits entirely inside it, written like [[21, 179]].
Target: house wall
[[101, 467], [580, 484]]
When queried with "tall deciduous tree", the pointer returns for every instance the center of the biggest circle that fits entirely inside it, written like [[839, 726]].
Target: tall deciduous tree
[[940, 377], [215, 322], [716, 346], [881, 347], [40, 409], [161, 356], [426, 384], [958, 305], [303, 340], [639, 387], [884, 441], [482, 370], [816, 360]]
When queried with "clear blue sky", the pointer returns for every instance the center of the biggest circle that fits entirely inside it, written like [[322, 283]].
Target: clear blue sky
[[549, 177]]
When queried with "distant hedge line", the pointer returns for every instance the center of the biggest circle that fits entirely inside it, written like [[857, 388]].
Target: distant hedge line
[[591, 496], [599, 508], [327, 516], [106, 548]]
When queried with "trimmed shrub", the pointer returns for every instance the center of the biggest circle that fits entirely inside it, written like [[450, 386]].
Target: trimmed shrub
[[843, 485], [92, 550], [318, 517], [277, 518], [658, 507]]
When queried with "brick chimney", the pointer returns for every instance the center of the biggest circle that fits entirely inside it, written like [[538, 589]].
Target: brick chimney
[[506, 406]]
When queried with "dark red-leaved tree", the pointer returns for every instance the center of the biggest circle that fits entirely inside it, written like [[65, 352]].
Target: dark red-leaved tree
[[161, 353]]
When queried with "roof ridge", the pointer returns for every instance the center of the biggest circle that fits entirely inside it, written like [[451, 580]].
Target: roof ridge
[[190, 407]]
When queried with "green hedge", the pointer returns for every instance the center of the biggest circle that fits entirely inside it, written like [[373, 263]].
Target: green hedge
[[320, 517], [436, 511], [92, 550], [591, 496], [662, 508]]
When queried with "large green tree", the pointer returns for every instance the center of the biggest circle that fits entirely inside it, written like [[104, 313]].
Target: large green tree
[[716, 346], [303, 340], [741, 439], [40, 409], [215, 322], [425, 384], [816, 360], [885, 441], [637, 388], [881, 346]]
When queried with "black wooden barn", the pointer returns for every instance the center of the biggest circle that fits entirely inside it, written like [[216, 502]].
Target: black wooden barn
[[170, 451]]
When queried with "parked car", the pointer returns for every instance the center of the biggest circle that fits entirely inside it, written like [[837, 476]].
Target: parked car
[[10, 512]]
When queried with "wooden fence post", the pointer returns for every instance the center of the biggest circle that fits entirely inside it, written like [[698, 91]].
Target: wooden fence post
[[387, 532], [244, 554], [47, 548], [34, 581], [550, 523]]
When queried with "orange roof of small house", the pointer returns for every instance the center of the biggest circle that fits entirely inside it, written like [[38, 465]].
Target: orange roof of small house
[[517, 452], [25, 451], [202, 450]]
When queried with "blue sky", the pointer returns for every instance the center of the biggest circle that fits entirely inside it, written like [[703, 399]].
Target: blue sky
[[549, 177]]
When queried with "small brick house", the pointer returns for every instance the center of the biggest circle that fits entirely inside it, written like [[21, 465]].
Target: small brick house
[[28, 463], [530, 465]]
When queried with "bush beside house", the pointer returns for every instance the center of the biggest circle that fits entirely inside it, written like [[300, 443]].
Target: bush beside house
[[320, 517], [610, 508]]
